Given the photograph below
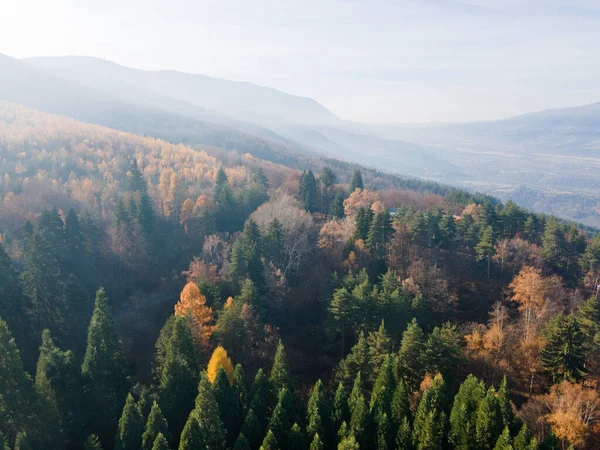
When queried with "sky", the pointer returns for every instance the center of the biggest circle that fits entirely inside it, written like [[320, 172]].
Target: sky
[[366, 60]]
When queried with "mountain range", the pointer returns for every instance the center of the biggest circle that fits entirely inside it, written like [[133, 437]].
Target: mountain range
[[545, 160]]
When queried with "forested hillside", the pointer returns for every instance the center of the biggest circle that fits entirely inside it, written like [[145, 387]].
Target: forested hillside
[[156, 296]]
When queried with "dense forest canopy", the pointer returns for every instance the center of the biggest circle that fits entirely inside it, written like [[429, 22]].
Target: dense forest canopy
[[156, 296]]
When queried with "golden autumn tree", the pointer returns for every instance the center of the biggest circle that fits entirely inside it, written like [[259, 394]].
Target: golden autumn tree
[[219, 359], [530, 292], [574, 411], [192, 304]]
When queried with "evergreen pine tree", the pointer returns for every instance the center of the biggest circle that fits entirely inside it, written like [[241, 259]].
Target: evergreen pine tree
[[191, 436], [380, 345], [411, 356], [58, 380], [358, 360], [279, 424], [563, 356], [145, 403], [336, 210], [240, 389], [252, 430], [44, 288], [360, 423], [160, 443], [384, 435], [341, 411], [104, 370], [308, 191], [176, 372], [356, 182], [92, 443], [129, 430], [316, 443], [295, 439], [274, 243], [383, 390], [349, 443], [400, 404], [504, 404], [430, 419], [523, 440], [280, 373], [504, 441], [442, 350], [230, 416], [379, 234], [403, 436], [554, 244], [430, 436], [155, 425], [269, 443], [363, 220], [488, 420], [485, 247], [207, 414], [318, 413], [75, 255], [262, 397], [463, 414], [12, 300], [19, 399]]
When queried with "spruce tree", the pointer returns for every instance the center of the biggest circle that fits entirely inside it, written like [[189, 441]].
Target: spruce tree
[[380, 231], [280, 373], [488, 420], [252, 430], [155, 425], [176, 372], [318, 413], [129, 430], [295, 439], [207, 414], [463, 414], [341, 411], [383, 390], [336, 210], [44, 287], [273, 243], [356, 182], [411, 355], [443, 349], [92, 443], [191, 436], [358, 360], [504, 404], [240, 389], [229, 414], [554, 251], [380, 345], [485, 247], [75, 254], [523, 440], [504, 441], [563, 356], [104, 370], [241, 443], [349, 443], [279, 424], [269, 443], [58, 380], [160, 443], [12, 300], [262, 397], [429, 426], [360, 420], [400, 404], [19, 399], [383, 433], [403, 436], [316, 443], [145, 403], [430, 436], [363, 220]]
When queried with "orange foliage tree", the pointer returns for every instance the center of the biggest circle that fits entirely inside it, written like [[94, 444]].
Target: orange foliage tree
[[192, 304], [219, 359], [574, 412]]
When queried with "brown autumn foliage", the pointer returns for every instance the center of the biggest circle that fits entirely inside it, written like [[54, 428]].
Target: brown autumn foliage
[[192, 304], [360, 199], [573, 412]]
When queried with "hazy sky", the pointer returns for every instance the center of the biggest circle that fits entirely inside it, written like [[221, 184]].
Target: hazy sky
[[368, 60]]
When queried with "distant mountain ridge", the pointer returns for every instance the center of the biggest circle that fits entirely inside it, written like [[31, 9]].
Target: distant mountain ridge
[[236, 99]]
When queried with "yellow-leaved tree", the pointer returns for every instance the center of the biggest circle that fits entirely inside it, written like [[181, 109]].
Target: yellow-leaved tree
[[219, 359], [192, 304]]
